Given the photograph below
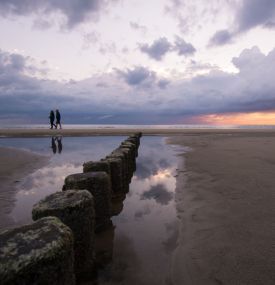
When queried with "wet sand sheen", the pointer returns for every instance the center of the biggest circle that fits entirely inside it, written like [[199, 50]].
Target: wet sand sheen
[[15, 164], [226, 204]]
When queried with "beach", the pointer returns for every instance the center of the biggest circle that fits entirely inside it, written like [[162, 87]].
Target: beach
[[224, 200], [226, 210], [15, 164]]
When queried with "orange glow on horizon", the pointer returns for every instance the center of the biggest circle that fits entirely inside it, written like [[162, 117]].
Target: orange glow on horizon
[[255, 118]]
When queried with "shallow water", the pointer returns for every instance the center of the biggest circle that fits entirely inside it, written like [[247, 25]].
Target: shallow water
[[138, 249]]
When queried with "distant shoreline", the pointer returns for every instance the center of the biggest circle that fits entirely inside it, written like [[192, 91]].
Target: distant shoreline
[[126, 131]]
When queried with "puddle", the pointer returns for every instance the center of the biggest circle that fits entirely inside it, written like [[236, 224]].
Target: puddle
[[138, 249]]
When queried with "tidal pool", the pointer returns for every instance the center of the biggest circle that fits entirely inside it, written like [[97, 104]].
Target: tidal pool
[[139, 247]]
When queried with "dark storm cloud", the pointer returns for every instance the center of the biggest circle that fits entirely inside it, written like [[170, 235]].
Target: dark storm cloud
[[254, 13], [221, 38], [183, 48], [159, 193], [248, 15], [138, 76], [139, 97], [157, 49], [75, 11]]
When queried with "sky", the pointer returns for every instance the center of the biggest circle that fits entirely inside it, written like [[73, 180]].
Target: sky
[[138, 61]]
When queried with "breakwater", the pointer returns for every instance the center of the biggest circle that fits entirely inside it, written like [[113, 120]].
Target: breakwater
[[79, 216]]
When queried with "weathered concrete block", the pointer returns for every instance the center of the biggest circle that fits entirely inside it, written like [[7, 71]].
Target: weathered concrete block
[[101, 165], [39, 253], [98, 184], [115, 164], [126, 163], [130, 159], [132, 146], [133, 140], [76, 210], [133, 153]]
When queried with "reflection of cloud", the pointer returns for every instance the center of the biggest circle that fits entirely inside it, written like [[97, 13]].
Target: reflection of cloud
[[159, 193], [147, 167], [145, 211]]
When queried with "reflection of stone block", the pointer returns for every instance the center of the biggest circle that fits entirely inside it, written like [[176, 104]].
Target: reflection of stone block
[[98, 184], [76, 210], [104, 247], [38, 253]]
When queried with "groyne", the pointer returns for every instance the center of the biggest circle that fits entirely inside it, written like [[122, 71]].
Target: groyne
[[59, 246]]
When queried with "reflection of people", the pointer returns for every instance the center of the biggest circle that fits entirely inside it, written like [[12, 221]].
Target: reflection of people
[[58, 141], [51, 117], [58, 119], [53, 145], [59, 144]]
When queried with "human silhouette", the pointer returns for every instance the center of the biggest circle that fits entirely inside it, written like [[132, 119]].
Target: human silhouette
[[59, 144], [51, 117], [53, 145], [58, 119]]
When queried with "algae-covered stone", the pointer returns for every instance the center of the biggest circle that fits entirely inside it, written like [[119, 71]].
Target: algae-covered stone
[[98, 184], [132, 146], [101, 165], [76, 210], [122, 156], [116, 174], [40, 253]]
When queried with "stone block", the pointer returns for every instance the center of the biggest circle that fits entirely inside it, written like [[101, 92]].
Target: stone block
[[40, 253], [99, 185], [76, 210]]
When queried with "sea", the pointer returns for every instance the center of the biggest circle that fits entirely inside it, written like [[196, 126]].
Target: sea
[[119, 126]]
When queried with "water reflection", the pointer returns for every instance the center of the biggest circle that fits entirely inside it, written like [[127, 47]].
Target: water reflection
[[159, 193], [138, 249], [50, 179], [146, 231], [56, 144]]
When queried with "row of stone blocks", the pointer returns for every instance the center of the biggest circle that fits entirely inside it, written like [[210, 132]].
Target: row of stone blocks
[[59, 245]]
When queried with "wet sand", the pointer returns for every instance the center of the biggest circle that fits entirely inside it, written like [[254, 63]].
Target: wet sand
[[110, 131], [224, 198], [14, 165], [226, 206]]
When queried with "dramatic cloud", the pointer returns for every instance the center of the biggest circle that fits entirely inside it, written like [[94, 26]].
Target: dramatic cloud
[[253, 13], [221, 38], [159, 193], [138, 95], [74, 11], [248, 15], [138, 76], [157, 49], [183, 48]]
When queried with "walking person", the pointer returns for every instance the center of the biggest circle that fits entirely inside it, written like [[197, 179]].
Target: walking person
[[51, 117], [58, 119]]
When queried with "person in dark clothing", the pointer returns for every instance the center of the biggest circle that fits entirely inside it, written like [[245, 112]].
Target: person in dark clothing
[[51, 117], [58, 119]]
